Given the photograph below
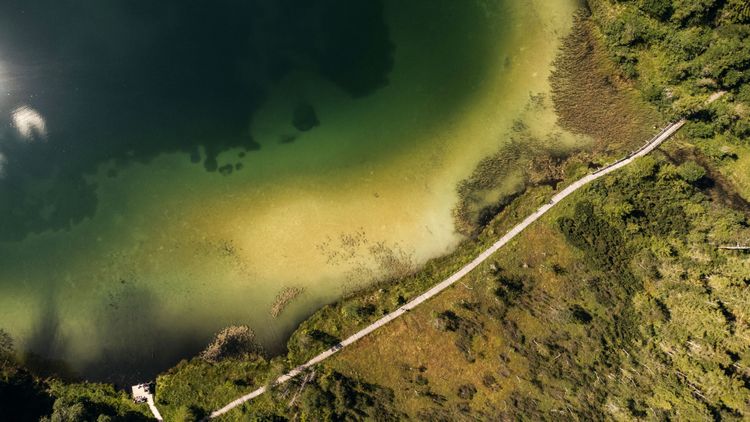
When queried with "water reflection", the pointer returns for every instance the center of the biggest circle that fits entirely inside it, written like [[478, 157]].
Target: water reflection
[[29, 123]]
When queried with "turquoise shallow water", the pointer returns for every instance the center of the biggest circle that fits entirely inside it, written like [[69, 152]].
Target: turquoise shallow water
[[168, 168]]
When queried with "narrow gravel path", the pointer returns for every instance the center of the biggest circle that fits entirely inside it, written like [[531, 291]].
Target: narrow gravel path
[[651, 145]]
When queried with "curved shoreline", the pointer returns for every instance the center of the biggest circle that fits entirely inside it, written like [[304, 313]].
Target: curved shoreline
[[651, 145], [145, 266]]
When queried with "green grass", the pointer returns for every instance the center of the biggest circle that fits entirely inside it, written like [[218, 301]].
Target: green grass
[[204, 386]]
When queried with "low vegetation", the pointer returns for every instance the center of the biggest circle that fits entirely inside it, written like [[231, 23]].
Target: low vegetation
[[521, 163]]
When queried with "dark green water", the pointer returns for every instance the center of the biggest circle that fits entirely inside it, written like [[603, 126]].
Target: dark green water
[[167, 167], [128, 81]]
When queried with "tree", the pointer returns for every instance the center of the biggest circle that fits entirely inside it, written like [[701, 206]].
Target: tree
[[738, 11], [692, 11], [659, 9], [65, 411]]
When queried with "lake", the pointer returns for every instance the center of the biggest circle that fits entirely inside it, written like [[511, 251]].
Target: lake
[[168, 168]]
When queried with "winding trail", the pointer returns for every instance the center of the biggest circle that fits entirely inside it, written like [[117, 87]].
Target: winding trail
[[651, 145]]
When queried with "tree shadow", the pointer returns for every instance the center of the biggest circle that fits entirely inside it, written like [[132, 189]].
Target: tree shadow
[[44, 347], [136, 343]]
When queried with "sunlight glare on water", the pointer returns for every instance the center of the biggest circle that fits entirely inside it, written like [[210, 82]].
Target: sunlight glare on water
[[29, 123]]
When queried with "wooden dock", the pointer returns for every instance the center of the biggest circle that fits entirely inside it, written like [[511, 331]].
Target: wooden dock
[[143, 393]]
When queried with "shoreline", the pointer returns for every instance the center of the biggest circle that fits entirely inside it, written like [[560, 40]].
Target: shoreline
[[248, 246], [663, 135], [404, 288]]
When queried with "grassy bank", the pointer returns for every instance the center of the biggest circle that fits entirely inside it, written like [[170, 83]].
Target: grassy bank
[[618, 305]]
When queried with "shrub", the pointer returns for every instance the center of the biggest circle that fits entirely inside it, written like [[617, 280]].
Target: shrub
[[467, 391], [581, 314], [6, 348], [447, 321], [700, 130], [691, 172], [187, 414]]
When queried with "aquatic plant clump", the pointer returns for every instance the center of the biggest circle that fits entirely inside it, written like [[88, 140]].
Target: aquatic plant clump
[[283, 299], [232, 341]]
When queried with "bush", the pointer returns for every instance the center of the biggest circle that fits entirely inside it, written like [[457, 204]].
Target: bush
[[63, 411], [691, 172], [6, 349], [700, 130], [581, 314], [467, 391], [187, 414], [447, 321]]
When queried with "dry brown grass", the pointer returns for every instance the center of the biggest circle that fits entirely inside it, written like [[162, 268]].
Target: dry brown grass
[[591, 99]]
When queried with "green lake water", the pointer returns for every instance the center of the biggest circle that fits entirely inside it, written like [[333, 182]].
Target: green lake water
[[167, 168]]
